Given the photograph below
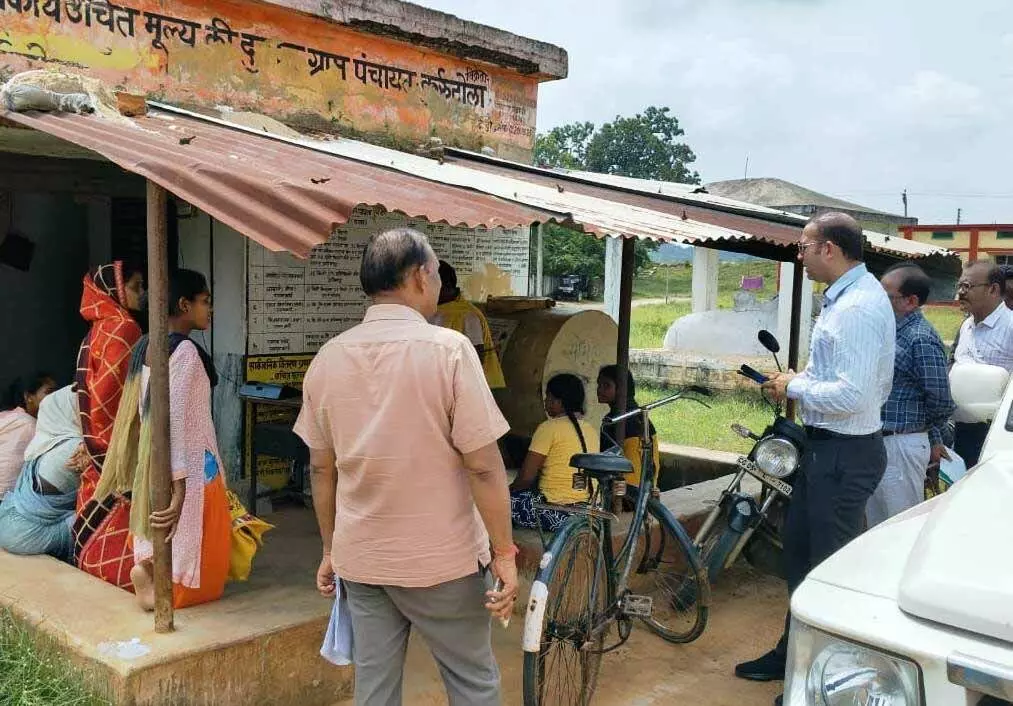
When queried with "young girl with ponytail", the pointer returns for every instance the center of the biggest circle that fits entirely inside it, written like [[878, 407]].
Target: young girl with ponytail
[[546, 475]]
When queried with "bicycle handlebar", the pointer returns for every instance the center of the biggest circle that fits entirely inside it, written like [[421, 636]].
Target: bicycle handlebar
[[660, 403]]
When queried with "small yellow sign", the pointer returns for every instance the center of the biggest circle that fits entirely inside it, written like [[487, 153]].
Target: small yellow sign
[[277, 369]]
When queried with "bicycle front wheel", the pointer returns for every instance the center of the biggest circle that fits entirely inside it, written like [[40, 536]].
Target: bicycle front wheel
[[668, 569], [568, 600]]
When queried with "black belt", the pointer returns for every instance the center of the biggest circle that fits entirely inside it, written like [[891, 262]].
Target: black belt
[[893, 433], [820, 434]]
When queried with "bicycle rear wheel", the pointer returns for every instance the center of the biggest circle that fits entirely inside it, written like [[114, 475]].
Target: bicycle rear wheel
[[569, 596], [667, 568]]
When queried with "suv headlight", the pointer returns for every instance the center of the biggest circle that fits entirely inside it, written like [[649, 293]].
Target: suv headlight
[[829, 671], [776, 456]]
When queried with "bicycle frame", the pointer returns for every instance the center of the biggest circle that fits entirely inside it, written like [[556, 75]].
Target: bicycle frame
[[608, 561]]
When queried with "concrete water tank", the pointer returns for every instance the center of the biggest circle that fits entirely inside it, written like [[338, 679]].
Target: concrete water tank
[[723, 332], [540, 343]]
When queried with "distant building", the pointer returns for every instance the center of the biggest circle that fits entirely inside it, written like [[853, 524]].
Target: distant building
[[972, 242], [783, 195]]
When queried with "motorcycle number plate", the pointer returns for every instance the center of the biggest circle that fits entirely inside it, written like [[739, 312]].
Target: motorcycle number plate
[[775, 483]]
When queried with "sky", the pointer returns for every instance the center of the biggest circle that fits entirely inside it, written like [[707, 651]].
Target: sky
[[858, 99]]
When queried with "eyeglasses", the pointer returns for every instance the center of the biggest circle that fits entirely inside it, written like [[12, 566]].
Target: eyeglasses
[[967, 286], [803, 246]]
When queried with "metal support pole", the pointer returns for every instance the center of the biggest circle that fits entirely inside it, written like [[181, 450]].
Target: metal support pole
[[540, 260], [158, 391], [795, 330], [623, 346]]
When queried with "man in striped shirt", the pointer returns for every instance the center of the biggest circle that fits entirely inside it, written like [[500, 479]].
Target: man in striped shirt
[[840, 392]]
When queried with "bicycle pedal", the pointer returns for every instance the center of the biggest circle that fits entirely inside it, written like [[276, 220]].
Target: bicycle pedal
[[638, 606]]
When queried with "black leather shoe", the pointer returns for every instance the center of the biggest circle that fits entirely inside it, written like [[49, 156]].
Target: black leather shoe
[[769, 667], [779, 701]]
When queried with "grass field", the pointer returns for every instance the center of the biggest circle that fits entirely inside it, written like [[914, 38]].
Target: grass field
[[34, 676], [946, 319], [650, 284], [650, 322], [690, 424]]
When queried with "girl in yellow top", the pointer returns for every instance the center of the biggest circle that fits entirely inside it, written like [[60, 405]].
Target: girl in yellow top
[[607, 383], [546, 475]]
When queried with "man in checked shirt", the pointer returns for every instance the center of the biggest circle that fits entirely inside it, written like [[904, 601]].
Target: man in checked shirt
[[915, 414]]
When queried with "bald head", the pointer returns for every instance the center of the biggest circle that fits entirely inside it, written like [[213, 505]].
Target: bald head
[[840, 229], [390, 257]]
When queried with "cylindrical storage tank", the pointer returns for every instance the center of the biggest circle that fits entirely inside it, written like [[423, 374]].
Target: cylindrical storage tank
[[539, 343]]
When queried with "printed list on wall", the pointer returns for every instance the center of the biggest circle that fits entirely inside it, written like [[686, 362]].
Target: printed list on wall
[[295, 306]]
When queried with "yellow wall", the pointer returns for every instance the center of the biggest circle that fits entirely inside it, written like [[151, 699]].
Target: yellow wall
[[984, 246], [989, 240]]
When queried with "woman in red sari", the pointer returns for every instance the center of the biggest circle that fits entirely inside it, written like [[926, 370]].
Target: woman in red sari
[[112, 294]]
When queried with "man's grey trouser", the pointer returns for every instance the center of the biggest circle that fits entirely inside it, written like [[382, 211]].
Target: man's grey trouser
[[451, 618], [827, 508]]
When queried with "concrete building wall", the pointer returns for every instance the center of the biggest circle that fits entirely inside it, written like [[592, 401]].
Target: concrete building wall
[[219, 253], [39, 308], [394, 84]]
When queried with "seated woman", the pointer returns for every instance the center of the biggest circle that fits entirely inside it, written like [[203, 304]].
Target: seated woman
[[608, 378], [197, 518], [18, 410], [36, 516], [546, 474]]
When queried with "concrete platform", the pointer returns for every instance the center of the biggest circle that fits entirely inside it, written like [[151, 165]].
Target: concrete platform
[[258, 645]]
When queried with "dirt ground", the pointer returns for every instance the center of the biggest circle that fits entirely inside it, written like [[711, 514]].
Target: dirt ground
[[746, 617]]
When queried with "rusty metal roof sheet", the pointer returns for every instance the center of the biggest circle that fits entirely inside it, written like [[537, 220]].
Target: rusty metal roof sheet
[[282, 195], [599, 216], [288, 193], [762, 223]]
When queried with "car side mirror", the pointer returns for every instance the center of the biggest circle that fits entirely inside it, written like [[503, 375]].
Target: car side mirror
[[977, 390]]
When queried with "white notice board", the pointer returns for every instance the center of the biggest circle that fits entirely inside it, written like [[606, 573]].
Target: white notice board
[[295, 306]]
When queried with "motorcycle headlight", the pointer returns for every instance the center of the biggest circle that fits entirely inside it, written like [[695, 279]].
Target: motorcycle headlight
[[829, 671], [776, 456]]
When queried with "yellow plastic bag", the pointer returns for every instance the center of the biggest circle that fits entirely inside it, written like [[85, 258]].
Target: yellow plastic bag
[[247, 538]]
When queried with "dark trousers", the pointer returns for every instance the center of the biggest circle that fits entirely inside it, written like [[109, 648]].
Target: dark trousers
[[968, 440], [827, 509]]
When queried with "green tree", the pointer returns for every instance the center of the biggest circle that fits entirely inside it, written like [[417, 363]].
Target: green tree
[[571, 252], [564, 146], [645, 146]]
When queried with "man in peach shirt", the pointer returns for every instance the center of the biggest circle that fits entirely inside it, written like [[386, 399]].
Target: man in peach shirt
[[407, 476]]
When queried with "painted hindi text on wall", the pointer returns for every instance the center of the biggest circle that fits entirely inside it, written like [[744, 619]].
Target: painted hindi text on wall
[[264, 58]]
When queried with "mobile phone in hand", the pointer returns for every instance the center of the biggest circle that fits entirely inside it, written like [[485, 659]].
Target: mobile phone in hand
[[498, 586]]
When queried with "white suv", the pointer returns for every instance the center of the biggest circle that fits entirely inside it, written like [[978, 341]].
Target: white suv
[[919, 610]]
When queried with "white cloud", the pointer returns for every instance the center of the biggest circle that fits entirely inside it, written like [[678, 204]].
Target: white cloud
[[936, 97], [857, 98]]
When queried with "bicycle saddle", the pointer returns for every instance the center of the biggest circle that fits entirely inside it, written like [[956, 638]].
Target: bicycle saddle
[[601, 464]]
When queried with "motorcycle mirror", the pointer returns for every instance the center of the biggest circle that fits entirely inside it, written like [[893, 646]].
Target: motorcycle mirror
[[768, 341]]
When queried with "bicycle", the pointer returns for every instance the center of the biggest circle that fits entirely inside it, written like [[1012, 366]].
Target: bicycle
[[583, 590]]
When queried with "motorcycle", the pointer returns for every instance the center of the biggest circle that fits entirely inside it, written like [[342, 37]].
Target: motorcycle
[[741, 524]]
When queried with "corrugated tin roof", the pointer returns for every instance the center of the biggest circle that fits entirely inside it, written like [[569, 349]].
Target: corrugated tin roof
[[762, 223], [281, 195], [602, 217], [289, 193]]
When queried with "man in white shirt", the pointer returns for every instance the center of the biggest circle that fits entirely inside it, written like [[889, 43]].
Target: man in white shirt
[[840, 392], [986, 336]]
